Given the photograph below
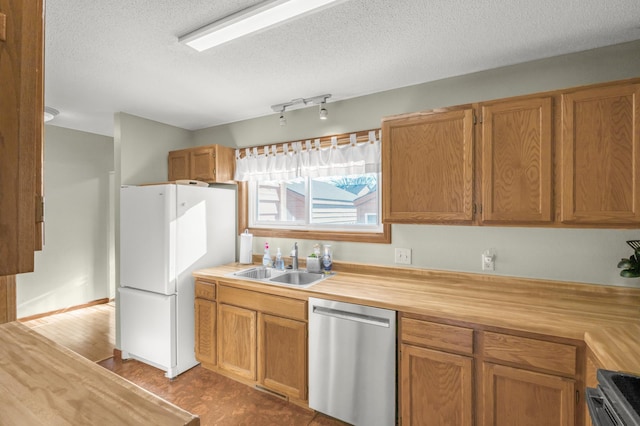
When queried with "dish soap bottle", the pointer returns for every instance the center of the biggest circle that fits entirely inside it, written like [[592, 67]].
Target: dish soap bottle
[[279, 261], [266, 259], [327, 261]]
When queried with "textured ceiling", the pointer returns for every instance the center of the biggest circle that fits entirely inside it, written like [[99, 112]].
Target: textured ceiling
[[107, 56]]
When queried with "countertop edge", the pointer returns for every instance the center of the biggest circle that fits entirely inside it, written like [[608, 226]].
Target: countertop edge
[[612, 337]]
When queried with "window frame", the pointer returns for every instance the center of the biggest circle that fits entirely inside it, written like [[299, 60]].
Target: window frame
[[382, 237]]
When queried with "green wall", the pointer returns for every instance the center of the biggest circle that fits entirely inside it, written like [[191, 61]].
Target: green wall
[[75, 265], [561, 254]]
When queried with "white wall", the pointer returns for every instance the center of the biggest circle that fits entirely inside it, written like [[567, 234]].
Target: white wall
[[561, 254], [73, 267]]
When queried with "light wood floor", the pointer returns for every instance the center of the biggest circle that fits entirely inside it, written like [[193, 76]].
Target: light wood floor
[[90, 332]]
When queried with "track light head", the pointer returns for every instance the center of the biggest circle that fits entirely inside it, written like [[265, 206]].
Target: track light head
[[320, 100], [323, 111]]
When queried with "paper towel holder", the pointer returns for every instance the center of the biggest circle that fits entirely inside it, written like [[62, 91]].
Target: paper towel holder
[[246, 247]]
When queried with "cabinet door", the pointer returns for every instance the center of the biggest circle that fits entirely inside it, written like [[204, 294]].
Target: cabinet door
[[601, 155], [436, 388], [225, 164], [179, 165], [205, 312], [283, 355], [427, 167], [237, 341], [516, 161], [203, 164], [516, 397], [21, 124]]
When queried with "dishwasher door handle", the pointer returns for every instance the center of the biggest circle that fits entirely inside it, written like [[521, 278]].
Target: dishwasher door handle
[[351, 316]]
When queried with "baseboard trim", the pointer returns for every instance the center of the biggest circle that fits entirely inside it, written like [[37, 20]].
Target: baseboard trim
[[60, 311]]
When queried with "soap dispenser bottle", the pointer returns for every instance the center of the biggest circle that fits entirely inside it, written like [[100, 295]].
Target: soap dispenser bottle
[[266, 259], [327, 259], [279, 261]]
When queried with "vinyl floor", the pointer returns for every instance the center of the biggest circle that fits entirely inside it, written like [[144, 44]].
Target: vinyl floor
[[218, 400]]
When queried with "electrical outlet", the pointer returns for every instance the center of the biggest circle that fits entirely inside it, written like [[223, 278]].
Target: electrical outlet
[[403, 256], [489, 260]]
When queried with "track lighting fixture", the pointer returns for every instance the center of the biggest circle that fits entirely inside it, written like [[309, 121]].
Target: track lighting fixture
[[323, 110], [320, 100]]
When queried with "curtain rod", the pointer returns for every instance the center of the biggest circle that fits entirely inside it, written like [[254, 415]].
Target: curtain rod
[[325, 141]]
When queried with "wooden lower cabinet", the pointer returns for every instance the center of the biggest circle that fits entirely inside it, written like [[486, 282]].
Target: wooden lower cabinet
[[282, 344], [517, 397], [262, 340], [237, 341], [465, 375], [205, 337], [206, 315], [436, 387]]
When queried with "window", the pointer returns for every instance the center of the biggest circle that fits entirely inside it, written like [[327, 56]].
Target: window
[[328, 203], [323, 189]]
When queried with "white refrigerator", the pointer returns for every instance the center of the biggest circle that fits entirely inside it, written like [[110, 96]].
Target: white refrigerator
[[166, 232]]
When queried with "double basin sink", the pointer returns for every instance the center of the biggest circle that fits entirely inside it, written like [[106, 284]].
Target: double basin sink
[[299, 278]]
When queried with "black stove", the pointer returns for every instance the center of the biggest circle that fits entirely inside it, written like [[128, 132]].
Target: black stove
[[616, 400]]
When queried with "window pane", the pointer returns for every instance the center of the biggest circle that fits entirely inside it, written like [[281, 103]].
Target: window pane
[[345, 200], [281, 201]]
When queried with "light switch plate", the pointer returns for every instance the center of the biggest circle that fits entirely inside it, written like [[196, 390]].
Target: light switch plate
[[403, 256]]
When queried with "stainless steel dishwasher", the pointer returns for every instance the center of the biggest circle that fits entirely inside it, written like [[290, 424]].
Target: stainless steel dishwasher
[[352, 362]]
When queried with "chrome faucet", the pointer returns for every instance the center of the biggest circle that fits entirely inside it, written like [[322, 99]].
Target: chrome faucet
[[294, 257]]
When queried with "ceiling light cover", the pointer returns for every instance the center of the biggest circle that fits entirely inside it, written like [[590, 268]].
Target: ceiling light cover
[[50, 113], [247, 21]]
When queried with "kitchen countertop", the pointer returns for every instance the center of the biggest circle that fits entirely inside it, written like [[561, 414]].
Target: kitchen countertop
[[42, 382], [606, 318]]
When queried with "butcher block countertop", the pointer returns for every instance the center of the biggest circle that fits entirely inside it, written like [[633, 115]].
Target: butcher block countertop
[[606, 318], [44, 383]]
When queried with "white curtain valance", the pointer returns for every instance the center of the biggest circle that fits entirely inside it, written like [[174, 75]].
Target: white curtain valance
[[310, 160]]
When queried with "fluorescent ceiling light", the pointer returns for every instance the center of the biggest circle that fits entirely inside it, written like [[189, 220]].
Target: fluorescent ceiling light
[[247, 21]]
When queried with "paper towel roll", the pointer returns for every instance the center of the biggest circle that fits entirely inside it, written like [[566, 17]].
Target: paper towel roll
[[246, 247]]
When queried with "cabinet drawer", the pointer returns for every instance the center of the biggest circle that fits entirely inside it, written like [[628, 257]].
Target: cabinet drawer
[[438, 336], [551, 356], [205, 290], [277, 305]]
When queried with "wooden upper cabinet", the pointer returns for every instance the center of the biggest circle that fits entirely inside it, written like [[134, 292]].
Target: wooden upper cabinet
[[21, 124], [601, 156], [212, 163], [179, 165], [427, 167], [517, 163]]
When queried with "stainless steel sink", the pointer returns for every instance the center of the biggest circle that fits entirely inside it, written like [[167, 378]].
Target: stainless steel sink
[[300, 278], [257, 273]]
